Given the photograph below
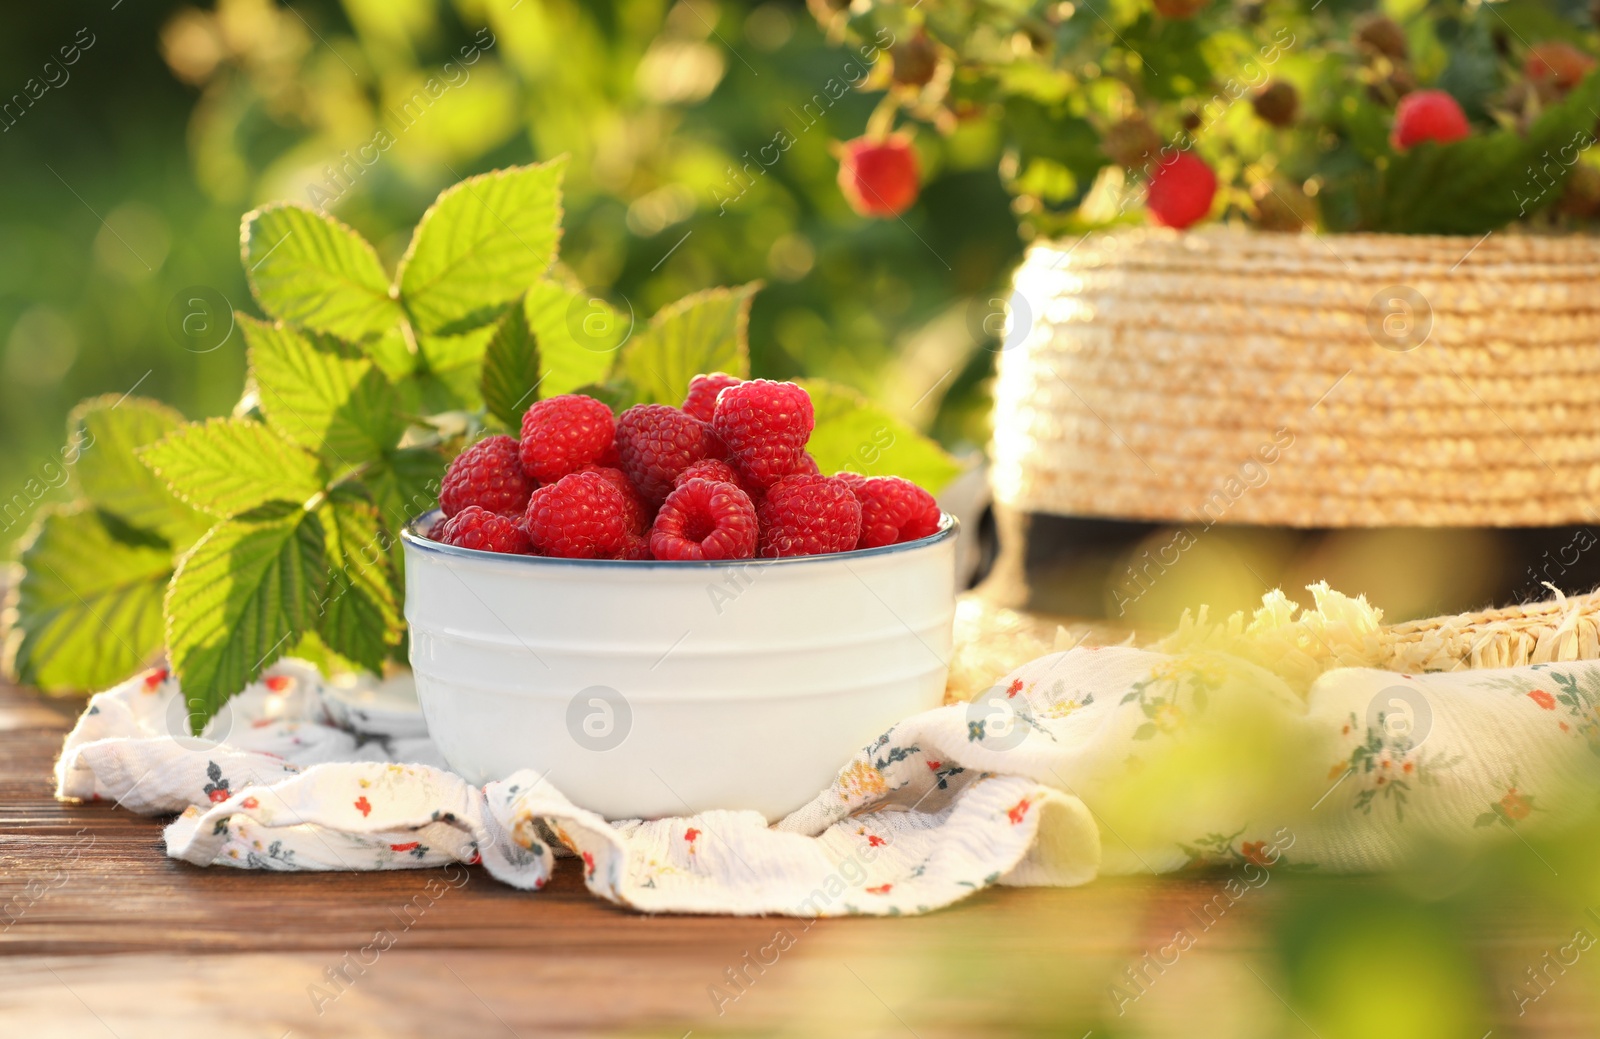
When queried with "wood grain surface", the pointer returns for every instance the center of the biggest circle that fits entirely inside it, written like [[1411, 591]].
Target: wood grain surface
[[103, 935]]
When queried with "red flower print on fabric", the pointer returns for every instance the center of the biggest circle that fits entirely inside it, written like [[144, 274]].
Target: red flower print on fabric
[[881, 889], [363, 806], [690, 834], [408, 846], [934, 766], [1256, 852], [249, 802], [279, 683], [1017, 812], [874, 841], [588, 866], [1543, 699], [1015, 688], [153, 680]]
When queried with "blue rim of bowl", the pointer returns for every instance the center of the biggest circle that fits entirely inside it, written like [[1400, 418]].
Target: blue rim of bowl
[[948, 528]]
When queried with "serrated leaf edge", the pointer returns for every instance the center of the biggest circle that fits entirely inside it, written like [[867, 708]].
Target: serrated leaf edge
[[559, 164]]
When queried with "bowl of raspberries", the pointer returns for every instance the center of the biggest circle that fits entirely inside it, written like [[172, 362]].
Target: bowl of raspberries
[[672, 609]]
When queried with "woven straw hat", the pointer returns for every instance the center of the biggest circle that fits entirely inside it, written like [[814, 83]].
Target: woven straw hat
[[1227, 376]]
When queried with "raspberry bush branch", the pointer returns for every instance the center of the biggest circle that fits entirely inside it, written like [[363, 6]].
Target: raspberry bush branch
[[1444, 119], [231, 542]]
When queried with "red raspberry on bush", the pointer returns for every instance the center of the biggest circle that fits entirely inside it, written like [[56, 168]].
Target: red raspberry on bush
[[475, 527], [765, 426], [703, 389], [580, 516], [489, 475], [809, 515], [879, 178], [657, 442], [893, 510], [637, 512], [1428, 115], [705, 519], [563, 434], [1557, 63], [1181, 189]]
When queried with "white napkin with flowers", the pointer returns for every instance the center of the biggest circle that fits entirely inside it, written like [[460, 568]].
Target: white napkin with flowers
[[1107, 760]]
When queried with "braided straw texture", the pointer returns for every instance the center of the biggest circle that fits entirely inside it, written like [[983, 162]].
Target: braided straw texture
[[1559, 629], [1304, 380], [1340, 631]]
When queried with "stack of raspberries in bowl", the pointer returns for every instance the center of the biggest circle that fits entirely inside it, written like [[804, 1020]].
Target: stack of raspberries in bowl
[[726, 476]]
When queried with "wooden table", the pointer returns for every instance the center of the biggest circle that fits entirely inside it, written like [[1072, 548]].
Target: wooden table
[[109, 937]]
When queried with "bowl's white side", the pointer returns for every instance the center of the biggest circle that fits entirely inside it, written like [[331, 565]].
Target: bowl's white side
[[742, 686]]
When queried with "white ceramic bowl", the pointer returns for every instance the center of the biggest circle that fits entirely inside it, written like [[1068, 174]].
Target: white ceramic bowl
[[647, 689]]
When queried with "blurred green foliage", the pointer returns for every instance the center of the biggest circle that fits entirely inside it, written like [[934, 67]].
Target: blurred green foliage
[[126, 181]]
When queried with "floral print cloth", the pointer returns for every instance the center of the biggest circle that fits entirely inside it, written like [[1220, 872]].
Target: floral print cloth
[[1107, 760]]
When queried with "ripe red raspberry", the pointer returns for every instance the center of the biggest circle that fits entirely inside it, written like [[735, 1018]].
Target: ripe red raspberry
[[437, 531], [1428, 115], [637, 513], [703, 389], [809, 515], [705, 519], [563, 434], [879, 178], [637, 547], [580, 516], [489, 475], [854, 481], [893, 510], [1181, 189], [709, 469], [765, 426], [657, 443], [1558, 63], [475, 527]]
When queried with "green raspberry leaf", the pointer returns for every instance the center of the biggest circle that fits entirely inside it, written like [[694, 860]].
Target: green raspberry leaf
[[511, 368], [406, 485], [103, 439], [322, 395], [451, 370], [88, 608], [392, 353], [703, 332], [856, 435], [579, 335], [480, 246], [229, 466], [239, 598], [359, 615], [311, 270]]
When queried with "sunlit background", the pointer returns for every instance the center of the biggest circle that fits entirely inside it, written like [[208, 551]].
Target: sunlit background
[[124, 184]]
